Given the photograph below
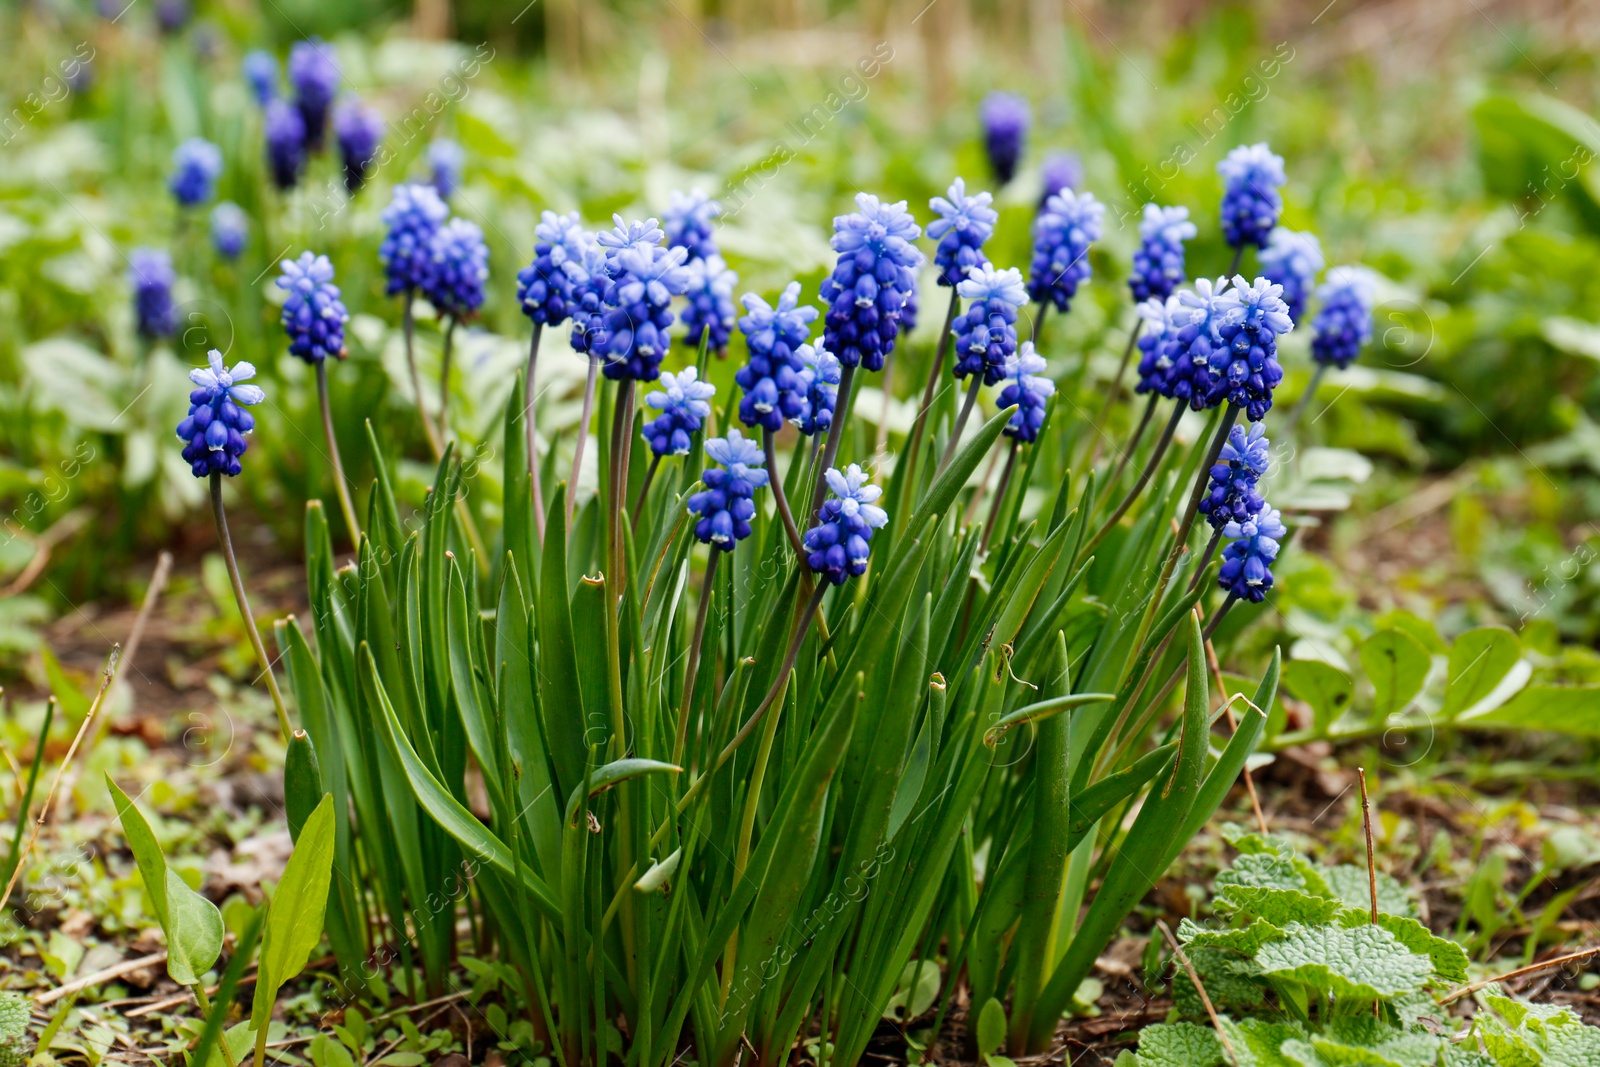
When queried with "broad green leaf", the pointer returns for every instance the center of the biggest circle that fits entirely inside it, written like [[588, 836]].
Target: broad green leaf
[[1280, 907], [294, 916], [1397, 667], [1449, 959], [1365, 962], [192, 923], [1352, 885], [1179, 1045], [911, 1001], [1479, 660], [1325, 687], [1561, 709], [991, 1026], [194, 931]]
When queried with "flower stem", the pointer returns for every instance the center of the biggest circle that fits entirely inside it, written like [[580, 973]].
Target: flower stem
[[221, 517], [1144, 479], [778, 495], [802, 627], [1038, 323], [920, 425], [1111, 394], [408, 326], [1304, 401], [999, 496], [1238, 257], [444, 379], [692, 669], [583, 436], [528, 418], [830, 451], [961, 423], [339, 484], [644, 490]]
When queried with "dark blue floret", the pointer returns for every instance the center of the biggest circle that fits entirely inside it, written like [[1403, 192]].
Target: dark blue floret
[[458, 268], [1344, 324], [1248, 371], [687, 222], [543, 286], [838, 546], [1231, 494], [214, 430], [774, 388], [150, 272], [413, 216], [357, 128], [313, 315], [708, 311], [445, 160], [819, 374], [1247, 560], [196, 166], [1292, 259], [1251, 203], [1005, 127], [867, 291], [1061, 170], [1028, 389], [261, 71], [1158, 266], [1061, 238], [286, 143], [230, 228], [725, 507], [684, 405], [632, 331], [986, 334], [314, 75], [964, 224]]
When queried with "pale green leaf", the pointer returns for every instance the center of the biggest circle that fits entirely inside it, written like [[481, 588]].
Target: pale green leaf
[[294, 917], [1397, 666], [1366, 962], [1479, 660], [1179, 1045]]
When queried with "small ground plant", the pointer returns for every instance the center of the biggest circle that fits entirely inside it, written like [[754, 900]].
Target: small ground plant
[[1310, 965]]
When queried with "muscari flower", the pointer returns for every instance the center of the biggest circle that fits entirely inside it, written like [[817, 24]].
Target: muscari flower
[[314, 74], [1155, 365], [964, 224], [1250, 199], [1292, 259], [196, 165], [261, 71], [1248, 372], [1158, 264], [1184, 349], [357, 129], [867, 291], [1005, 126], [773, 389], [286, 143], [172, 15], [458, 267], [313, 315], [1231, 494], [1061, 238], [543, 288], [588, 275], [1344, 324], [230, 229], [445, 160], [150, 272], [837, 546], [819, 375], [725, 506], [644, 277], [709, 311], [687, 222], [682, 402], [910, 306], [413, 216], [214, 430], [1061, 170], [1028, 389], [986, 334], [1247, 560]]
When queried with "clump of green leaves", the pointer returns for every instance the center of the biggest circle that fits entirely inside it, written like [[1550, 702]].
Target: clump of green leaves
[[1302, 973]]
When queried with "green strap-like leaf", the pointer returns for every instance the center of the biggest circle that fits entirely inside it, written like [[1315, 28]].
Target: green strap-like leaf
[[294, 917]]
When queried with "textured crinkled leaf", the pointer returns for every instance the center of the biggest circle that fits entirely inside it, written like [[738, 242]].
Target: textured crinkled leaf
[[1266, 870], [1245, 942], [1179, 1045], [1232, 983], [1366, 961], [1276, 905], [1409, 1048], [1348, 883], [1252, 843], [1449, 959], [1259, 1042], [1572, 1045]]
